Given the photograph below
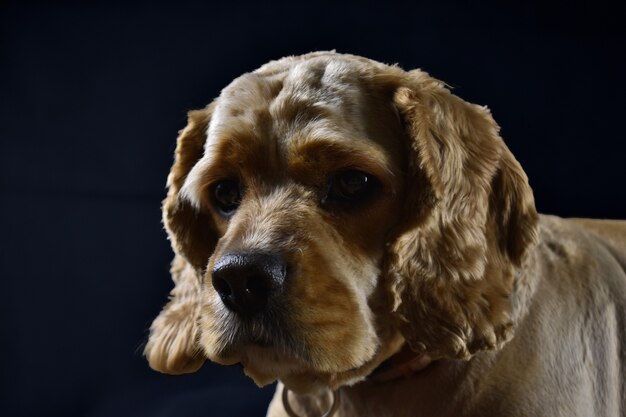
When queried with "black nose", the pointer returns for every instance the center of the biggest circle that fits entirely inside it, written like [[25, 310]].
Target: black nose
[[245, 282]]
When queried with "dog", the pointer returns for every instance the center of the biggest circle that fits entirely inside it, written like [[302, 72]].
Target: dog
[[365, 237]]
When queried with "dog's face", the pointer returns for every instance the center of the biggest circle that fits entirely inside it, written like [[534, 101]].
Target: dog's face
[[302, 192], [327, 208]]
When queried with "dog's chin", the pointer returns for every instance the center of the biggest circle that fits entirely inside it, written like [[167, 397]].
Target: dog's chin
[[267, 364]]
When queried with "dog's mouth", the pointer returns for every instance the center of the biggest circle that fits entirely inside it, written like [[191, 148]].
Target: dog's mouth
[[268, 330], [270, 362], [266, 361], [266, 345], [270, 349]]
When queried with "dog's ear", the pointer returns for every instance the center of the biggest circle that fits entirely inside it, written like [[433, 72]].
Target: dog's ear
[[469, 221], [172, 347], [173, 342], [191, 231]]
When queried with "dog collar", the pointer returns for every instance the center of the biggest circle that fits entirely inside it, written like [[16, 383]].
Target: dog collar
[[404, 363]]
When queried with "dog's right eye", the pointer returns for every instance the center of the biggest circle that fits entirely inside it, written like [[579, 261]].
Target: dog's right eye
[[226, 196]]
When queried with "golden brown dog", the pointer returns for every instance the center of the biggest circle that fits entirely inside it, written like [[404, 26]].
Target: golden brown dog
[[328, 211]]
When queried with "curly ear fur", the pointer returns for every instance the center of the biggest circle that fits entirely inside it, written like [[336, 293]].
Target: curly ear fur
[[172, 346], [470, 220]]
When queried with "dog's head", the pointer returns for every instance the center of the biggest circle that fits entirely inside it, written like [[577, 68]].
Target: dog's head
[[326, 209]]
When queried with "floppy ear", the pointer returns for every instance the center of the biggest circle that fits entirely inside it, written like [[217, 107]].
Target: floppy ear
[[172, 347], [469, 221], [173, 343], [191, 232]]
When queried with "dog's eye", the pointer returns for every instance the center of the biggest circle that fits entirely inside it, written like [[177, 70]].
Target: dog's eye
[[226, 196], [350, 186]]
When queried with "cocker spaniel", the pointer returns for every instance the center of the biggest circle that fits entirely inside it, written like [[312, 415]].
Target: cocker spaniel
[[365, 237]]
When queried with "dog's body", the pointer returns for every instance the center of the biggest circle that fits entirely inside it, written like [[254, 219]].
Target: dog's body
[[328, 211]]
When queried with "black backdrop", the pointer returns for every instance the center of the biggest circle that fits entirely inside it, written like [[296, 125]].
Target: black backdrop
[[91, 98]]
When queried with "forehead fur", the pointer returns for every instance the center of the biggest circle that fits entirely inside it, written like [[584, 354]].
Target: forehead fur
[[322, 92]]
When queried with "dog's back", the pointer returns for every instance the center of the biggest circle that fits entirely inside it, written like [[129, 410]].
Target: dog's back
[[612, 232]]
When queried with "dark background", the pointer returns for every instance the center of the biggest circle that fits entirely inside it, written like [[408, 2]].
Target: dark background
[[92, 97]]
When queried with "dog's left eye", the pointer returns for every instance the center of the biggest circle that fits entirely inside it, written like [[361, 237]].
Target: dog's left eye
[[350, 186], [226, 196]]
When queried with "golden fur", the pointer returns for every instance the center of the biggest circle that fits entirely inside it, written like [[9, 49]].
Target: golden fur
[[522, 314]]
